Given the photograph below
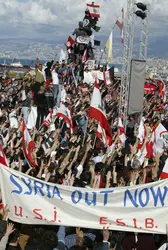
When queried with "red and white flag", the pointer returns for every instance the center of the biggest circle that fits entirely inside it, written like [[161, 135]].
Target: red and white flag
[[142, 133], [164, 174], [66, 114], [84, 57], [121, 131], [120, 24], [70, 42], [107, 78], [28, 145], [160, 132], [94, 10], [97, 112], [48, 120], [162, 89], [101, 134], [3, 160]]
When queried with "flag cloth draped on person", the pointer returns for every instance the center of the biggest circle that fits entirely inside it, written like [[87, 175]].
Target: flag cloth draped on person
[[66, 114], [97, 112], [120, 24], [109, 48], [94, 10], [28, 145], [164, 173], [141, 133], [160, 133], [48, 119], [84, 57], [101, 134], [3, 160], [162, 89], [107, 78], [121, 131]]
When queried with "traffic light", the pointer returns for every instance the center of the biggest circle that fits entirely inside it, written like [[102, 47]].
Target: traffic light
[[141, 6], [141, 12]]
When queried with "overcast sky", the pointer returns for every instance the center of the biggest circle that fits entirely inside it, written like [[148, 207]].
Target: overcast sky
[[56, 19]]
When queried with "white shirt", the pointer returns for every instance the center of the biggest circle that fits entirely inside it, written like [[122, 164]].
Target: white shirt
[[98, 158], [55, 78], [63, 95]]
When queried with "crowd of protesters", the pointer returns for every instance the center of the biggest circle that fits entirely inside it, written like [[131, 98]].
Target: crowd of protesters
[[75, 158]]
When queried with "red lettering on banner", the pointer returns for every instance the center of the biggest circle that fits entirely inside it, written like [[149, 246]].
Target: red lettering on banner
[[36, 212], [103, 220], [135, 223], [55, 215], [120, 222], [20, 211], [149, 223]]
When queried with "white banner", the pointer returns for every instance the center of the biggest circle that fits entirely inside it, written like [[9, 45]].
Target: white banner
[[83, 39], [141, 208]]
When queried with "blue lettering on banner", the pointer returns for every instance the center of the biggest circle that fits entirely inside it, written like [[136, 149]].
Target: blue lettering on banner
[[33, 185], [12, 179], [75, 199], [48, 191], [57, 192], [132, 199], [90, 202], [28, 184], [140, 197], [143, 197], [158, 195], [106, 196], [38, 186], [143, 200]]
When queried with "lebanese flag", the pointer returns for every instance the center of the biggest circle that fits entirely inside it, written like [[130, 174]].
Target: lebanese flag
[[94, 10], [84, 57], [121, 131], [120, 24], [70, 43], [97, 112], [66, 114], [162, 89], [142, 133], [149, 88], [158, 132], [3, 160], [164, 174], [28, 145], [48, 119], [101, 134], [107, 78]]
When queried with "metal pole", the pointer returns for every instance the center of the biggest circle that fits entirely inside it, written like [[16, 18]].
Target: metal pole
[[126, 64]]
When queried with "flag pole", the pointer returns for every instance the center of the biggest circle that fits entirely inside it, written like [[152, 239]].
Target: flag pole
[[85, 132], [105, 45], [94, 143]]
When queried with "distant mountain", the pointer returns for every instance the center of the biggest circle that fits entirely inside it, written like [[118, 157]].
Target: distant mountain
[[26, 48]]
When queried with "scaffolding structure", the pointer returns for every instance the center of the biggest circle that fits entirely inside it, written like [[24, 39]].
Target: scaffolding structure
[[144, 36], [127, 57]]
